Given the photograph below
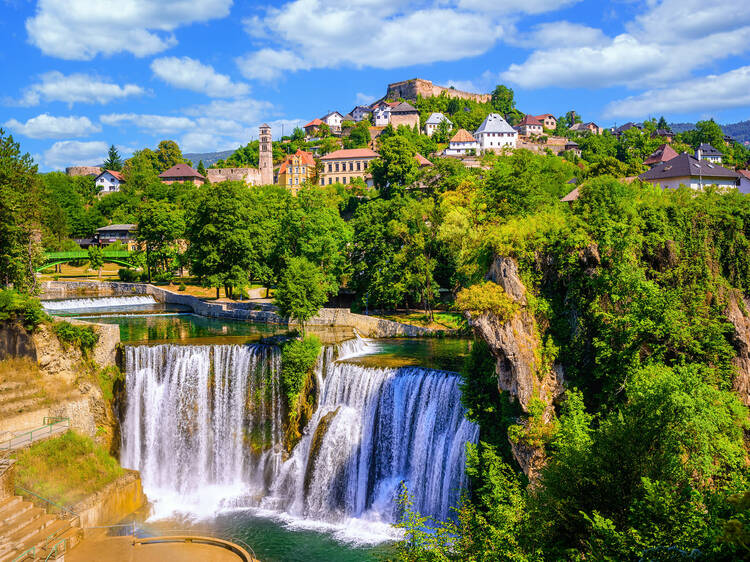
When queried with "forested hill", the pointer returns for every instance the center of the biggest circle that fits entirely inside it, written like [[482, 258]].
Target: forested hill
[[738, 131], [208, 157]]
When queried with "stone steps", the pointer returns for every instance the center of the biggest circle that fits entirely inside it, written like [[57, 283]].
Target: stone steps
[[24, 526], [16, 393], [17, 406]]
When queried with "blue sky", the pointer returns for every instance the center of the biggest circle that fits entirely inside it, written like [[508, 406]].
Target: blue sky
[[79, 75]]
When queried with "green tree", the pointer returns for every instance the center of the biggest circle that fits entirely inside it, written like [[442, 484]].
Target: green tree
[[19, 216], [301, 291], [168, 154], [298, 134], [502, 99], [160, 225], [662, 124], [201, 169], [96, 258], [221, 247], [113, 161], [395, 168], [359, 136]]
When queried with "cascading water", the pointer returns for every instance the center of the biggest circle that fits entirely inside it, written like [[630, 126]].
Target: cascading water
[[104, 302], [191, 411]]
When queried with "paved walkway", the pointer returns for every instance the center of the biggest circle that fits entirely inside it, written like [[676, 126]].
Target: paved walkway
[[25, 438], [121, 549]]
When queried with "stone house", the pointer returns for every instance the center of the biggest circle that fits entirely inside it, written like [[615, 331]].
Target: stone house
[[589, 127], [405, 114], [433, 122], [687, 170], [461, 144], [530, 125], [181, 173], [343, 166], [495, 134], [250, 176], [109, 181], [295, 170]]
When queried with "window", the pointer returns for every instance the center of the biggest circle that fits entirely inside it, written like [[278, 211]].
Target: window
[[330, 167], [351, 166], [296, 181], [329, 181], [290, 181], [343, 180], [337, 166], [359, 169]]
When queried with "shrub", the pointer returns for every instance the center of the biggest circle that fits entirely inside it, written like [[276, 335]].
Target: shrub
[[163, 277], [108, 377], [298, 358], [487, 297], [23, 308], [129, 275], [83, 337], [182, 287]]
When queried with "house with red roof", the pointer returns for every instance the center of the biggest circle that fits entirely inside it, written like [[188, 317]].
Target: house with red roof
[[109, 181], [181, 173], [662, 154], [344, 166], [296, 169], [529, 126], [312, 126]]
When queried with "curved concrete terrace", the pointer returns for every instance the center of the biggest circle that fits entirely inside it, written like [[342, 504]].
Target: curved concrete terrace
[[187, 548]]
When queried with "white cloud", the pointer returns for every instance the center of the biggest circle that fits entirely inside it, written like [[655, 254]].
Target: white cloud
[[75, 153], [666, 43], [190, 74], [75, 88], [710, 93], [46, 126], [551, 34], [398, 34], [364, 99], [516, 6], [245, 110], [81, 29], [156, 124]]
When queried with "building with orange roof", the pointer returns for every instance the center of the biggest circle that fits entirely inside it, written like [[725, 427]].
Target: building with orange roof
[[312, 126], [548, 120], [296, 170], [343, 166], [462, 143], [662, 154]]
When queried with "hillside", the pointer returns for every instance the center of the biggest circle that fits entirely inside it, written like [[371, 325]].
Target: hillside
[[208, 157], [739, 131]]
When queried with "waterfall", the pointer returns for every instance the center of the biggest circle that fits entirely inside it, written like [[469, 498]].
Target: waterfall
[[207, 421], [105, 302], [202, 423]]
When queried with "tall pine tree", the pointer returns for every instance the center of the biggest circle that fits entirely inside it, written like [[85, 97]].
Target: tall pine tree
[[113, 161]]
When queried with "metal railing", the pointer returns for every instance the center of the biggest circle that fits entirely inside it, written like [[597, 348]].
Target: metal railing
[[29, 551], [64, 510], [28, 437]]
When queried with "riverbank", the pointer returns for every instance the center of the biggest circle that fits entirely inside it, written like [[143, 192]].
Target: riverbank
[[253, 311]]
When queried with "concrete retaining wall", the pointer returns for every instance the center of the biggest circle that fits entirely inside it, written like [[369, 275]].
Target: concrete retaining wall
[[113, 503], [7, 481], [367, 326]]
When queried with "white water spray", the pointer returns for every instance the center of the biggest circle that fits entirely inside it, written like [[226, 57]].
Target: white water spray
[[105, 302]]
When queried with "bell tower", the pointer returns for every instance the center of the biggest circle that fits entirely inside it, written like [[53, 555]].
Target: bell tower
[[265, 155]]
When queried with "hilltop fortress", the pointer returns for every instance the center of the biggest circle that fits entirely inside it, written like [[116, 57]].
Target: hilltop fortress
[[410, 89]]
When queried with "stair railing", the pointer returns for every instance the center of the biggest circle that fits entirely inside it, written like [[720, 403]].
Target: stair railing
[[27, 437], [65, 510]]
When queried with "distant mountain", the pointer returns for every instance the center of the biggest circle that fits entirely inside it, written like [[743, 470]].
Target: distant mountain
[[208, 157], [738, 131]]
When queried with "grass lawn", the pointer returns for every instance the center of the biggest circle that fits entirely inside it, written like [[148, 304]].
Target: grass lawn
[[66, 469], [443, 320]]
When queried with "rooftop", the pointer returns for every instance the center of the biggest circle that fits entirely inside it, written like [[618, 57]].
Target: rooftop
[[661, 154], [463, 136], [115, 174], [313, 123], [436, 119], [530, 120], [708, 150], [685, 165], [306, 160], [494, 123], [180, 171], [113, 227], [404, 107], [351, 153]]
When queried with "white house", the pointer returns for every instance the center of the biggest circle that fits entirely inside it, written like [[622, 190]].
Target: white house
[[495, 134], [433, 122], [462, 143], [530, 125], [109, 181], [333, 120], [686, 170], [360, 112], [707, 152], [381, 113]]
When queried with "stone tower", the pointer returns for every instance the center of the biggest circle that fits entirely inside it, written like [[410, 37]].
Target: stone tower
[[265, 155]]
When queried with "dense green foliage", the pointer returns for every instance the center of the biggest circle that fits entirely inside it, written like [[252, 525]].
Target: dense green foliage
[[22, 308], [302, 291], [82, 337], [298, 358]]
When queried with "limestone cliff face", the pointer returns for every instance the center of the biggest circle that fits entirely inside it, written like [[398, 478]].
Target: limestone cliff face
[[738, 308], [516, 345]]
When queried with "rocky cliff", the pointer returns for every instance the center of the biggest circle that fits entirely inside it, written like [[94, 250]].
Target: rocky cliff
[[738, 314], [521, 371]]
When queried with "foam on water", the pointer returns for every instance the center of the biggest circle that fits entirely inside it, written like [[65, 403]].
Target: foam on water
[[104, 302]]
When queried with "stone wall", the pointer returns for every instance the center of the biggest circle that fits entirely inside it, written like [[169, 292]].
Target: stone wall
[[410, 89], [251, 176], [83, 170], [7, 482], [113, 503], [367, 326]]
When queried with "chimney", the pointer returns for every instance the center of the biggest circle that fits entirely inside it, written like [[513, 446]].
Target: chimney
[[698, 154]]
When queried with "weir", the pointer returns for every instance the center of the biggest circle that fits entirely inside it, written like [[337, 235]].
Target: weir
[[105, 302], [203, 424]]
